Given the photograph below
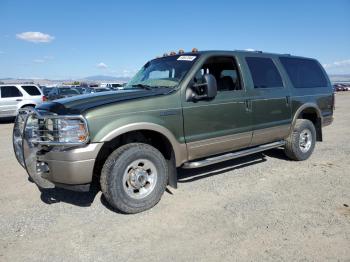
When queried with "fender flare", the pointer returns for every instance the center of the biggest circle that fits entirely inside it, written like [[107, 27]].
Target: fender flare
[[180, 150], [301, 109]]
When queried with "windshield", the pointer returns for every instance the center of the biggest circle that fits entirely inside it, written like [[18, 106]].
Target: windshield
[[47, 90], [68, 91], [163, 72]]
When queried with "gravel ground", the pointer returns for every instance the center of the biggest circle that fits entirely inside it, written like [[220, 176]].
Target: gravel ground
[[261, 207]]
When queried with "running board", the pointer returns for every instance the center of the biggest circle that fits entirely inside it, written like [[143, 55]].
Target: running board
[[232, 155]]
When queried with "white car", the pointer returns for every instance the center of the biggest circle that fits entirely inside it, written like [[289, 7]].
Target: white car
[[14, 97], [113, 86]]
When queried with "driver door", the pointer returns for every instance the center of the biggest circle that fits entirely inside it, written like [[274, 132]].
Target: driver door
[[223, 123]]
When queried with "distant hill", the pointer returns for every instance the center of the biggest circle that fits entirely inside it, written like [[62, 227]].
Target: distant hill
[[106, 78], [340, 78]]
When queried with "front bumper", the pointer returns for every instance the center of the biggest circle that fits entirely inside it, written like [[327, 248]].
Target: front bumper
[[54, 166]]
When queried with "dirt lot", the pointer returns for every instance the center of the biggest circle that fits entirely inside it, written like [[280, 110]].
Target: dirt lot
[[262, 207]]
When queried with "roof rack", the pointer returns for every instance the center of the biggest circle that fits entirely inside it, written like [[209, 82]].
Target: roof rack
[[250, 50]]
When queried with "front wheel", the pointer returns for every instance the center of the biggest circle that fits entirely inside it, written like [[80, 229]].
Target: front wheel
[[301, 142], [134, 177]]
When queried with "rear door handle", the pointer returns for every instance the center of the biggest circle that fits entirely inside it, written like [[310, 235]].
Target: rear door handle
[[18, 100]]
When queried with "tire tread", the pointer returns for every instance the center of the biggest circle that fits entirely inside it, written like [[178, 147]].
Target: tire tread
[[106, 178], [291, 148]]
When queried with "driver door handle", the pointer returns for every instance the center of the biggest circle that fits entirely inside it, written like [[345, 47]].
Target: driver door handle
[[248, 105], [18, 99], [287, 100]]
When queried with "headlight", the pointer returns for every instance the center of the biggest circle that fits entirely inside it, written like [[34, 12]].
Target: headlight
[[48, 129], [64, 130]]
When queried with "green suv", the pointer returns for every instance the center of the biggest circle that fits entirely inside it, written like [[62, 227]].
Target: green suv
[[184, 110]]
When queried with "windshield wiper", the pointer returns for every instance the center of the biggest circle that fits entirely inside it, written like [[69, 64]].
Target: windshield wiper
[[143, 86]]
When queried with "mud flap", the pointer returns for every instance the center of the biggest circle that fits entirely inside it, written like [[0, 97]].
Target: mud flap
[[172, 180]]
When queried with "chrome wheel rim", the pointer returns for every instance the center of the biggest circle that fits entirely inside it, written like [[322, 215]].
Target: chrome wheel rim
[[140, 178], [305, 140]]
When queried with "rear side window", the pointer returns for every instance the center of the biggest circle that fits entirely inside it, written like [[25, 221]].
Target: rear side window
[[10, 91], [304, 73], [264, 72], [32, 90]]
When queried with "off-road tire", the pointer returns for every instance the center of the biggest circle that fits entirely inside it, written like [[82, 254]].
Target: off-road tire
[[292, 148], [112, 177]]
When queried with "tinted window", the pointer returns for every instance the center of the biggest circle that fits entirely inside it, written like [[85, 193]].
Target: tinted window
[[264, 72], [10, 91], [32, 90], [304, 73]]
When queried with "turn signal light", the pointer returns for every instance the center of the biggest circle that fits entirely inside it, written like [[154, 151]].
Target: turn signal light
[[180, 52]]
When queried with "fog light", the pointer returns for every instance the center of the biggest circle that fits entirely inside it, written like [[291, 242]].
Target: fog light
[[42, 167]]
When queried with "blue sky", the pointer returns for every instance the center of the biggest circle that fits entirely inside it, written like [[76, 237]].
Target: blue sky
[[82, 38]]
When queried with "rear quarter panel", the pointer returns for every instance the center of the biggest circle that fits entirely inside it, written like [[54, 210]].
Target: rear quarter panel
[[320, 97]]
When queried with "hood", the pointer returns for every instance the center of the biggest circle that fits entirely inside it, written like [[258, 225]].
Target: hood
[[81, 103]]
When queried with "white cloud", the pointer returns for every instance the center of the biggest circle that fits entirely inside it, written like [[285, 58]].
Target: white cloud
[[249, 49], [35, 37], [48, 57], [338, 64], [128, 73], [39, 61], [102, 65]]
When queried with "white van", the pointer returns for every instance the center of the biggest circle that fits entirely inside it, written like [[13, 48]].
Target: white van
[[14, 97]]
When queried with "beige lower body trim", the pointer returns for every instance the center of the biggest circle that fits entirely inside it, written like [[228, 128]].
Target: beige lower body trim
[[218, 145], [271, 134], [180, 151], [71, 172], [71, 166]]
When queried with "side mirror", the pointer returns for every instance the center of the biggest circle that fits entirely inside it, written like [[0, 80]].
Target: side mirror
[[206, 90], [212, 87]]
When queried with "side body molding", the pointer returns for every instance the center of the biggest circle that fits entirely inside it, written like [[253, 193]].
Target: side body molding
[[180, 150]]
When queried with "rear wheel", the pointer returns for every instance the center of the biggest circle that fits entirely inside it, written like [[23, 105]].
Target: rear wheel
[[301, 142], [134, 177]]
